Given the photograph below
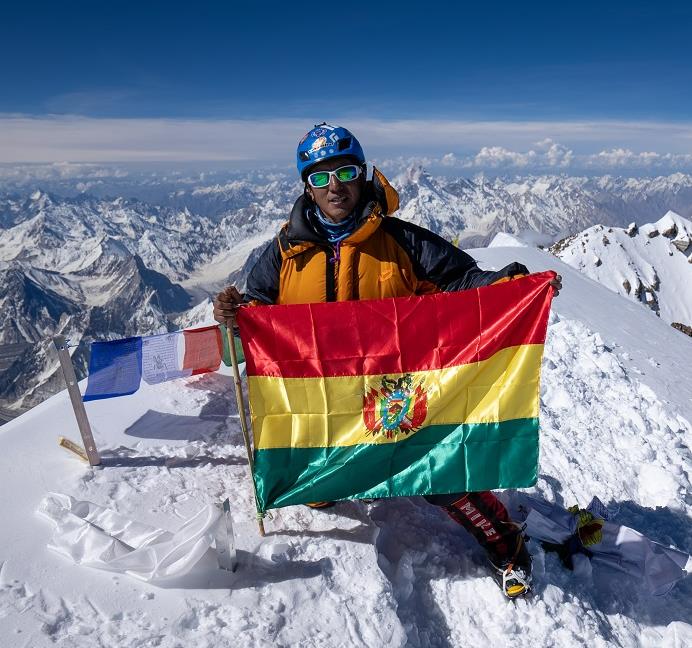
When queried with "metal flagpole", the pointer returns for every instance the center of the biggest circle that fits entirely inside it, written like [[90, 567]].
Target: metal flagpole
[[243, 422], [77, 404]]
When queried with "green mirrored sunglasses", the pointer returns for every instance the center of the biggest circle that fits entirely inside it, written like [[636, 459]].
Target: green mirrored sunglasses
[[347, 173]]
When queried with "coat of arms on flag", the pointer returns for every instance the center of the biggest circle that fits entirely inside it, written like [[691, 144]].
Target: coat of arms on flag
[[397, 407]]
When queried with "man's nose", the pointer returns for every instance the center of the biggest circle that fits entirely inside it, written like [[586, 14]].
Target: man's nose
[[334, 182]]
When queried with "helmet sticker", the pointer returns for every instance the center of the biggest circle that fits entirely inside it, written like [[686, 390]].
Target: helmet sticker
[[317, 132], [319, 143]]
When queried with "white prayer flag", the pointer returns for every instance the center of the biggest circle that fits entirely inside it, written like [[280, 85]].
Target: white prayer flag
[[161, 358]]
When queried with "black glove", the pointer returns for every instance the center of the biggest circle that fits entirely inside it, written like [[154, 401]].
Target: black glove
[[514, 269]]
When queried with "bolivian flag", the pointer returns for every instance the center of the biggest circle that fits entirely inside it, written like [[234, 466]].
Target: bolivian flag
[[406, 396]]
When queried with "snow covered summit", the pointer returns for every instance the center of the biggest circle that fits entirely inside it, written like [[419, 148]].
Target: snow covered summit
[[615, 419]]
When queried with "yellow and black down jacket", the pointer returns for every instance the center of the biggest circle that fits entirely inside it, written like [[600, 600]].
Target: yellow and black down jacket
[[383, 257]]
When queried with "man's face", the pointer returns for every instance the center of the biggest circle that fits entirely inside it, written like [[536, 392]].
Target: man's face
[[338, 199]]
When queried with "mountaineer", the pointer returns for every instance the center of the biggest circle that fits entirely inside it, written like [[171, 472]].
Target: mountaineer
[[342, 243]]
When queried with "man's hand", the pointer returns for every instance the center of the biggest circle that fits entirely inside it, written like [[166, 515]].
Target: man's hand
[[557, 285], [226, 306]]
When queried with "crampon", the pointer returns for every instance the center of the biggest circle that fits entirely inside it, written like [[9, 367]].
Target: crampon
[[513, 575]]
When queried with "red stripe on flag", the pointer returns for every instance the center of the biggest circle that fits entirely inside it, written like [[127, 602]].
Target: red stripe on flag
[[203, 349], [397, 335]]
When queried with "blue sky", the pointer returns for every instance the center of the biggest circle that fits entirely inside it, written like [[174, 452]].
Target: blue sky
[[381, 63]]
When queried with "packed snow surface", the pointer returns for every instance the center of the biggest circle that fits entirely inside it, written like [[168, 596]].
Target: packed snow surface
[[615, 413]]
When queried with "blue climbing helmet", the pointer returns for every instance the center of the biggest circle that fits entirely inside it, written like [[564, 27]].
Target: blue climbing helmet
[[324, 142]]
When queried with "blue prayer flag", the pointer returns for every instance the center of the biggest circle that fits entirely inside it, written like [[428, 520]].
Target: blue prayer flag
[[115, 368]]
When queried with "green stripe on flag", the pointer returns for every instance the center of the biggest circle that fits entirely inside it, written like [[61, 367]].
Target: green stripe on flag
[[437, 459]]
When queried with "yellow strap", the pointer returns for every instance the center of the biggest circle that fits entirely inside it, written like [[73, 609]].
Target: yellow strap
[[503, 279]]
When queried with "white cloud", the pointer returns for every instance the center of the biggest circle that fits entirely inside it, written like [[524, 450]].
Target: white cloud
[[495, 157], [545, 154], [462, 144], [548, 155], [404, 161], [625, 158], [83, 139], [583, 137], [554, 154]]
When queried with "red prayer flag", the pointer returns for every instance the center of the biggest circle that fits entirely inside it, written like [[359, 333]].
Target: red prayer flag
[[203, 349]]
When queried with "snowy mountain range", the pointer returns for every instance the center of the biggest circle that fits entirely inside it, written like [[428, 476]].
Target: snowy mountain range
[[616, 422], [475, 210], [88, 268], [96, 267]]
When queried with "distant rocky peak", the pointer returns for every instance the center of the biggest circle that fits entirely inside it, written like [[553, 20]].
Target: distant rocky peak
[[417, 175], [676, 228], [40, 200], [650, 264], [115, 247]]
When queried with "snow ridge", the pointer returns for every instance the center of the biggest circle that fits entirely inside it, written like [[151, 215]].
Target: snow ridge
[[651, 264]]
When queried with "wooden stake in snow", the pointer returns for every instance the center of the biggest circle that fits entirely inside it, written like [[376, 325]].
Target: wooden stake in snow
[[243, 423], [74, 448], [76, 398]]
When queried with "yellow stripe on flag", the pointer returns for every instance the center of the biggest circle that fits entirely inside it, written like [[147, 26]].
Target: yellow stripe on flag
[[327, 412]]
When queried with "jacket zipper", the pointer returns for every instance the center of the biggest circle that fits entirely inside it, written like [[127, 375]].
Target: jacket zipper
[[332, 269]]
